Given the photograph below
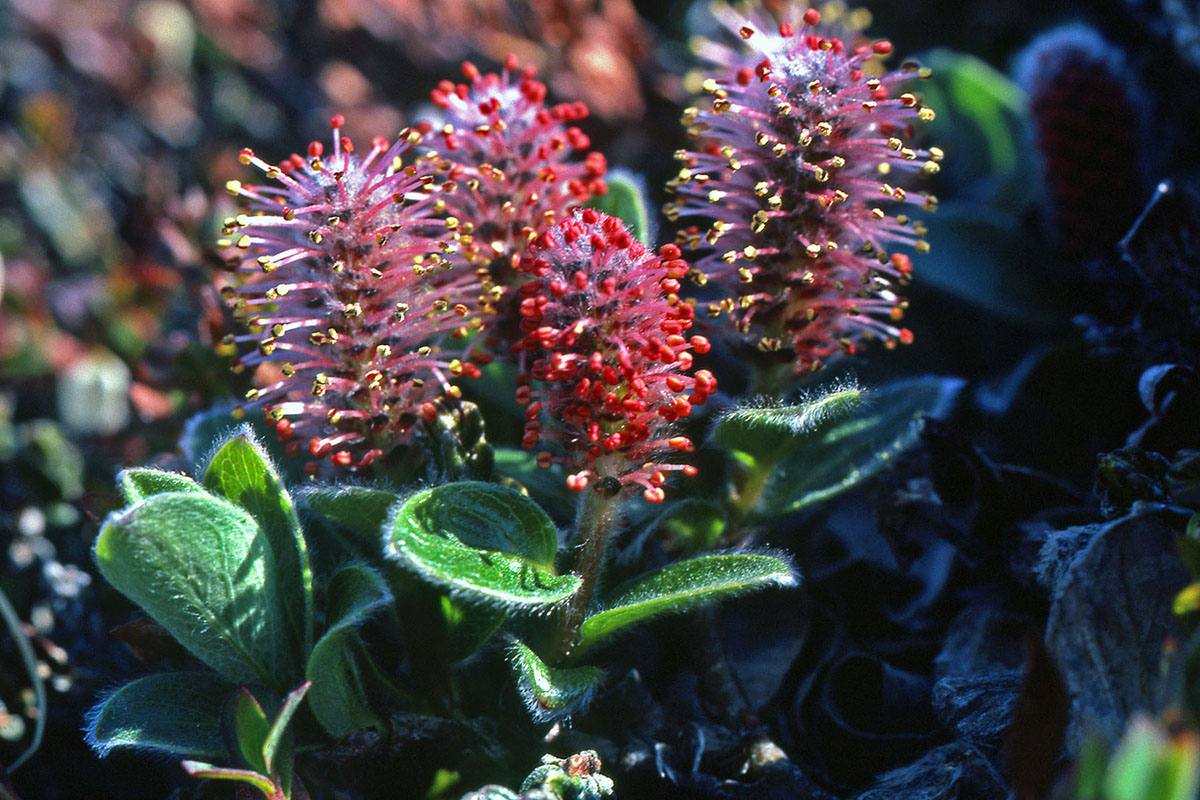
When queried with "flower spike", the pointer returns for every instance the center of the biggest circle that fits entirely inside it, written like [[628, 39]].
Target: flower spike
[[608, 338], [350, 294], [508, 168], [800, 157]]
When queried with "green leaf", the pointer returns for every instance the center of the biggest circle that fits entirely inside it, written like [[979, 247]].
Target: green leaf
[[552, 693], [1134, 765], [767, 430], [981, 257], [173, 712], [626, 200], [200, 566], [242, 472], [277, 749], [339, 696], [140, 483], [846, 454], [360, 510], [485, 542], [981, 124], [198, 769], [251, 727], [681, 587]]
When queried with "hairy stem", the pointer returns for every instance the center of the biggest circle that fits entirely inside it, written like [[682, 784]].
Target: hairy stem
[[597, 517]]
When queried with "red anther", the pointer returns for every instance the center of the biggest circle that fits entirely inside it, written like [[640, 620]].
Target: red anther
[[533, 91], [423, 127], [746, 31], [471, 371], [580, 279], [669, 252], [529, 440], [347, 145], [319, 447], [510, 62], [657, 478], [812, 16], [544, 459], [883, 46], [428, 412], [763, 69], [470, 71], [675, 383], [341, 458], [369, 458], [700, 344], [744, 75], [681, 406], [245, 154], [812, 42], [596, 242], [906, 336], [577, 482], [675, 340], [654, 494], [595, 164], [690, 471], [681, 443], [902, 263], [379, 143], [315, 149], [838, 45], [593, 432], [338, 121], [532, 410]]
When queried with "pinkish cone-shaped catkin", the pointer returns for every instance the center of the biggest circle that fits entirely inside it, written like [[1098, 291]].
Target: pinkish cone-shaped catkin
[[356, 311], [510, 167], [797, 182]]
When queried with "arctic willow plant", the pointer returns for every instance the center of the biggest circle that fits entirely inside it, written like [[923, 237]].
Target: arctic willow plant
[[378, 289]]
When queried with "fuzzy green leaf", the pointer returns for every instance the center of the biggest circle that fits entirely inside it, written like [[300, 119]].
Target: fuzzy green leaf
[[173, 712], [766, 431], [201, 567], [552, 693], [681, 587], [360, 511], [482, 541], [251, 727], [242, 472], [625, 199], [140, 483], [847, 453], [338, 696]]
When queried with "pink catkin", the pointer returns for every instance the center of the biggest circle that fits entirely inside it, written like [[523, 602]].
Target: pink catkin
[[799, 157], [354, 309], [510, 168], [606, 335]]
